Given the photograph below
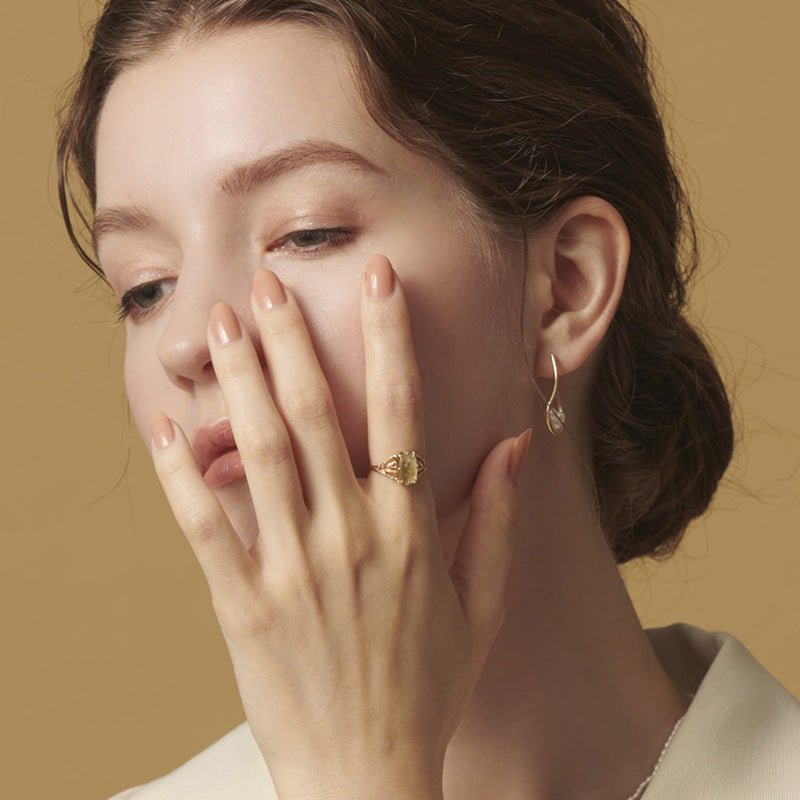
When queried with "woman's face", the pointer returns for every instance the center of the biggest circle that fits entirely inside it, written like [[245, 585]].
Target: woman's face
[[169, 131]]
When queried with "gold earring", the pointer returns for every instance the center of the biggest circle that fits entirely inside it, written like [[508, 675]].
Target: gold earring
[[554, 416]]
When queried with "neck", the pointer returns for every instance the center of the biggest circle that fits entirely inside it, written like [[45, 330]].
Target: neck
[[573, 701]]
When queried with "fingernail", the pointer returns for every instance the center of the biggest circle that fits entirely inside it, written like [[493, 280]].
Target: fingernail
[[519, 454], [161, 430], [379, 278], [268, 289], [224, 324]]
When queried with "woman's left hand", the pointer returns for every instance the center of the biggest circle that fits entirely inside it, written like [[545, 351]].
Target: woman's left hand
[[354, 648]]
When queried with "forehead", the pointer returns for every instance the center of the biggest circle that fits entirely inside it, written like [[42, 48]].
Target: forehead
[[182, 118]]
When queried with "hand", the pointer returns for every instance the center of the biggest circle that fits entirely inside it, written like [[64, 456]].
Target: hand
[[354, 648]]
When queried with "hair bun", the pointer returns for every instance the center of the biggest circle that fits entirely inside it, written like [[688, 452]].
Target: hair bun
[[663, 438]]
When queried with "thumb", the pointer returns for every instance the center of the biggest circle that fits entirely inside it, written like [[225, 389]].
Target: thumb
[[481, 564]]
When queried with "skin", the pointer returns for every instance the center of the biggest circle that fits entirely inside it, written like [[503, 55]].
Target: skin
[[572, 700]]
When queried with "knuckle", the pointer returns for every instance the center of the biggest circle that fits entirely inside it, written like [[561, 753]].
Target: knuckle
[[358, 550], [268, 447], [311, 406], [346, 560], [489, 618], [299, 585], [418, 546], [399, 394], [246, 618], [498, 619], [202, 526], [170, 468], [281, 323], [384, 317], [345, 543], [232, 369], [291, 589], [507, 518], [409, 546]]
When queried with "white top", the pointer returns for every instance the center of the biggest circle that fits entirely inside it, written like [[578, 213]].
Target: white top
[[739, 740]]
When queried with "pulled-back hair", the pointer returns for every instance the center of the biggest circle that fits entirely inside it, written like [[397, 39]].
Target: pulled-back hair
[[528, 104]]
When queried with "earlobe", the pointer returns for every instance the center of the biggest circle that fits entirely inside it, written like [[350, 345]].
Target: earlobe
[[582, 262]]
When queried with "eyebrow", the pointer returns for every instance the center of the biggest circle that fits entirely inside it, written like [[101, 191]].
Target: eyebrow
[[240, 182]]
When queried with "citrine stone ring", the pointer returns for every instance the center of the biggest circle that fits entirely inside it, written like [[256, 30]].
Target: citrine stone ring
[[404, 467]]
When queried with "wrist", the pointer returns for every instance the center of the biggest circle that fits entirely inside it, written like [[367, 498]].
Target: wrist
[[357, 793], [374, 787], [418, 776]]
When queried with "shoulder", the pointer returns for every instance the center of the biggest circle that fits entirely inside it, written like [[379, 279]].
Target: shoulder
[[232, 766], [741, 735]]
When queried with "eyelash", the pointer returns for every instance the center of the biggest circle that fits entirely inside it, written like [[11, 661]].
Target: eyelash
[[335, 236]]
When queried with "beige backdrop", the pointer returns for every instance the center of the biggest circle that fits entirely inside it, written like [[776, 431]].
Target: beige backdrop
[[114, 670]]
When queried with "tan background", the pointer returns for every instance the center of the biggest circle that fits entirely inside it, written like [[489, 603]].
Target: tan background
[[113, 668]]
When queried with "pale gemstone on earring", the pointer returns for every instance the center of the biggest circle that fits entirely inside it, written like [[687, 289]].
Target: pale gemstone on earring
[[557, 419]]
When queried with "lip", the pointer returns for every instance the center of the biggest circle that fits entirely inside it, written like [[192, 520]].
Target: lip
[[216, 454], [225, 469]]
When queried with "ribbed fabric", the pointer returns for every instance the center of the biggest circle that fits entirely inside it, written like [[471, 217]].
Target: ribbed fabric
[[739, 740]]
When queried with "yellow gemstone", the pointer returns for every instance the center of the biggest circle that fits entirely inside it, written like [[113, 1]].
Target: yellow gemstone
[[407, 467]]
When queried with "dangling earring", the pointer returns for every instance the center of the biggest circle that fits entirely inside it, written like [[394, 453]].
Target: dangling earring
[[554, 415]]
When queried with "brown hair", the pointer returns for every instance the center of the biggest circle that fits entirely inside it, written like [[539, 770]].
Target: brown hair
[[529, 104]]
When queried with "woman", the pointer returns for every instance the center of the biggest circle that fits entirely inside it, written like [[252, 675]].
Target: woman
[[418, 601]]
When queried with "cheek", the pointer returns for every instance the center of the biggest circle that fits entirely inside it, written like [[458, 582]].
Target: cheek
[[140, 380], [335, 329], [454, 322]]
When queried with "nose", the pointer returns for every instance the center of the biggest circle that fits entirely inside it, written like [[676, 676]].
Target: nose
[[183, 344]]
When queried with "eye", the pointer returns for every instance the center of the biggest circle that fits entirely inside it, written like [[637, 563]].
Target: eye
[[310, 240], [130, 305], [140, 301]]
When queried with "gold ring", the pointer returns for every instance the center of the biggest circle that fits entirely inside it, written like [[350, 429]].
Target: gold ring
[[404, 467]]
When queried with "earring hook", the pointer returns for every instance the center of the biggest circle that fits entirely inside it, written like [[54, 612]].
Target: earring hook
[[555, 418]]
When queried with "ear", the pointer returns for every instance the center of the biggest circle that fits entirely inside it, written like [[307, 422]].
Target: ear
[[576, 270]]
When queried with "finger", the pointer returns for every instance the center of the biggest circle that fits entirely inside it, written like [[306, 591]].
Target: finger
[[482, 561], [393, 384], [231, 572], [260, 434], [301, 391]]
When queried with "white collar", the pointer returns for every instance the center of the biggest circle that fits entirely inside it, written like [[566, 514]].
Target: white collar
[[740, 738]]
